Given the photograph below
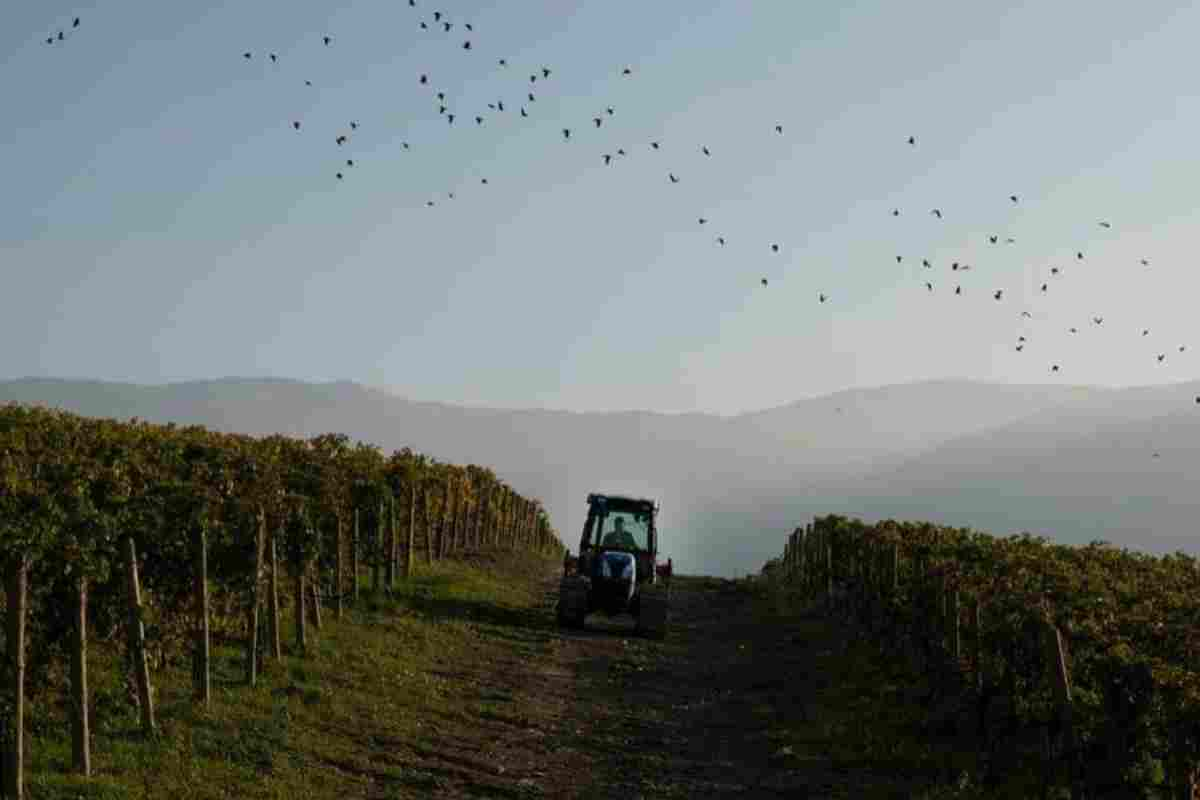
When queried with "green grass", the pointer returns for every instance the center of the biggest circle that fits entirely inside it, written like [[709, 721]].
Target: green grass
[[357, 711]]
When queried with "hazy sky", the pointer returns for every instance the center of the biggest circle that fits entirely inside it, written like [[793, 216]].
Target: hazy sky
[[161, 220]]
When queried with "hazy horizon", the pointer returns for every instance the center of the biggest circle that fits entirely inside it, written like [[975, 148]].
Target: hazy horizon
[[1072, 463], [613, 411]]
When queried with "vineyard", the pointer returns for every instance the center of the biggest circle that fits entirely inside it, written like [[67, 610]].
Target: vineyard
[[162, 537], [1074, 666]]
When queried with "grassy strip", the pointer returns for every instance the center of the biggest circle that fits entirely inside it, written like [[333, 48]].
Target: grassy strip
[[359, 713]]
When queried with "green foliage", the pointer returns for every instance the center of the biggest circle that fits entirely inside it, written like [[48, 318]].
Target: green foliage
[[1128, 621], [73, 490]]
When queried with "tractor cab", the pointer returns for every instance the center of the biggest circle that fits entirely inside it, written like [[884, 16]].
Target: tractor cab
[[619, 538], [616, 571]]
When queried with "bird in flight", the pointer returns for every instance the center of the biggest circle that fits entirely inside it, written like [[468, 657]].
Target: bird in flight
[[1105, 225], [774, 248], [566, 133], [821, 298], [627, 71], [1012, 197], [779, 129], [912, 140], [327, 39], [764, 281], [671, 175], [937, 212]]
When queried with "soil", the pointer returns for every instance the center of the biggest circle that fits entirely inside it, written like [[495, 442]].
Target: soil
[[731, 703]]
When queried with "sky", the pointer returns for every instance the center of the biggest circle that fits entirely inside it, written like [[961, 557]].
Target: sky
[[162, 221]]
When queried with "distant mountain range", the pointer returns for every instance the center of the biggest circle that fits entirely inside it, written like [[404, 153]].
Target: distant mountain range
[[1073, 463]]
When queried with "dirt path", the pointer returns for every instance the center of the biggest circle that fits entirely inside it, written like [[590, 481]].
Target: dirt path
[[727, 706]]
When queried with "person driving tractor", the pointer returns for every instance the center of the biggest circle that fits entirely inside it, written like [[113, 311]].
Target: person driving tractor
[[619, 537]]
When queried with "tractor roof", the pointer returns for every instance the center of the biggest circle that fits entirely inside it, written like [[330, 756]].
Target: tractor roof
[[626, 501]]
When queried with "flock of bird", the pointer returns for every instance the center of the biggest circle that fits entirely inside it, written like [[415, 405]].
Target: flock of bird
[[439, 98], [63, 33]]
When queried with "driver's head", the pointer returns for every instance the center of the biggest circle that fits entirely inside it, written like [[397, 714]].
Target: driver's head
[[619, 524]]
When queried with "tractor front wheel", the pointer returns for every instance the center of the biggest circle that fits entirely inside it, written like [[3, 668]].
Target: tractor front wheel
[[572, 602]]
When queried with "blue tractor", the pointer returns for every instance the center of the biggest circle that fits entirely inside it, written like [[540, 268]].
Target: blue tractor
[[617, 570]]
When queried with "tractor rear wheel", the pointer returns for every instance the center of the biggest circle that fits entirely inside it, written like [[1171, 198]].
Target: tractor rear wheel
[[653, 611]]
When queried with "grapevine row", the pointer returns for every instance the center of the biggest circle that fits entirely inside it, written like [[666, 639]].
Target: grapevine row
[[156, 535], [1094, 646]]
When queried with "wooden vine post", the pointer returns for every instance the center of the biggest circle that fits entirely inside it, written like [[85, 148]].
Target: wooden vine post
[[445, 515], [252, 617], [301, 586], [339, 537], [412, 517], [977, 624], [137, 638], [354, 556], [273, 600], [1060, 678], [480, 519], [12, 728], [392, 543], [427, 518], [314, 592], [81, 754], [376, 550], [201, 657]]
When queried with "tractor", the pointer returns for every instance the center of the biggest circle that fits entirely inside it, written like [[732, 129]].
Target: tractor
[[617, 570]]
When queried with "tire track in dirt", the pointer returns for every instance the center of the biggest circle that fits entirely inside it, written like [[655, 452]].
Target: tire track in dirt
[[602, 713]]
